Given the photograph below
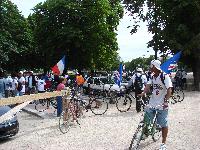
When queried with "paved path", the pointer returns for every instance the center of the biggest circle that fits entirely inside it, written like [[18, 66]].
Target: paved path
[[112, 131]]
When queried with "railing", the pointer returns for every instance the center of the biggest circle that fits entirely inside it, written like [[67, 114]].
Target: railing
[[25, 100]]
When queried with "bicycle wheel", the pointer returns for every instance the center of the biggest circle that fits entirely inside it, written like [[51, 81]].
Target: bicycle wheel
[[99, 106], [64, 121], [53, 102], [41, 105], [137, 137], [179, 92], [123, 103], [156, 132]]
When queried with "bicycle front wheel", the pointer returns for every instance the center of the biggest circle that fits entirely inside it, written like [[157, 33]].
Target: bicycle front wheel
[[137, 137], [99, 106], [123, 103], [65, 121], [156, 132]]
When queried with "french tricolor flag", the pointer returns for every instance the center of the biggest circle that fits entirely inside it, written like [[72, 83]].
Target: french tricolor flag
[[59, 67]]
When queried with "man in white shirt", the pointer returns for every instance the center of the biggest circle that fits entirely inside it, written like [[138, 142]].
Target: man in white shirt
[[139, 81], [8, 86], [40, 85], [162, 85], [23, 82]]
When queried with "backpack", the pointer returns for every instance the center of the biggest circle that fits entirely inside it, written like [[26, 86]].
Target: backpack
[[138, 82], [80, 80], [19, 87], [162, 77]]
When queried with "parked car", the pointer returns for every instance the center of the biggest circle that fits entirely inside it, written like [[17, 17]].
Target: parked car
[[102, 83], [9, 127]]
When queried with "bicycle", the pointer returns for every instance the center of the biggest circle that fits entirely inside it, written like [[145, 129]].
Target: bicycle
[[120, 98], [177, 94], [146, 127], [69, 115], [44, 104]]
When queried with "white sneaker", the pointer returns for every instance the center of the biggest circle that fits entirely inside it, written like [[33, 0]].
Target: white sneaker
[[163, 147]]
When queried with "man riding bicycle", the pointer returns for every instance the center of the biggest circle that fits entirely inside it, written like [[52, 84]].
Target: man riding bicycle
[[162, 85]]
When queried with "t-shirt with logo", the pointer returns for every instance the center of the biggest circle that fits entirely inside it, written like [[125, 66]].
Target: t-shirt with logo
[[40, 85], [159, 90], [8, 83], [14, 82], [21, 80]]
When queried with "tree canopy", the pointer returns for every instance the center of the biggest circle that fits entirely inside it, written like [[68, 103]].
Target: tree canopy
[[15, 34], [175, 26], [84, 31]]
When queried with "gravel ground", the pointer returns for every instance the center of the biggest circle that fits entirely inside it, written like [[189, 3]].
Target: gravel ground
[[112, 131]]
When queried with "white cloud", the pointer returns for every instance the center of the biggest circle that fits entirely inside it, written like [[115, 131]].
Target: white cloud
[[135, 45]]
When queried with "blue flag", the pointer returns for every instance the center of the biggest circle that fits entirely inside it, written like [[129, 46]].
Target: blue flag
[[171, 63], [120, 74]]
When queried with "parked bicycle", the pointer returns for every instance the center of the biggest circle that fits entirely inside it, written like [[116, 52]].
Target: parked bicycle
[[44, 104], [121, 99], [177, 94], [73, 108]]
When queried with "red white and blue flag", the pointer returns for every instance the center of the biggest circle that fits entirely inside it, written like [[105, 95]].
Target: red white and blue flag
[[171, 63], [59, 67]]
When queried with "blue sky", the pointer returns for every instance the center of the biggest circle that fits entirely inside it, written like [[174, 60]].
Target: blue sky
[[131, 46]]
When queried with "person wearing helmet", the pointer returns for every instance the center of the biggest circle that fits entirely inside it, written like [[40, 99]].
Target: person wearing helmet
[[162, 85], [139, 81]]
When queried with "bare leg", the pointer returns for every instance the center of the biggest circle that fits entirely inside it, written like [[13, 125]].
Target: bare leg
[[164, 134]]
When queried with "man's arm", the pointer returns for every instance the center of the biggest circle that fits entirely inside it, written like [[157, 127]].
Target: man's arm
[[146, 89], [168, 95]]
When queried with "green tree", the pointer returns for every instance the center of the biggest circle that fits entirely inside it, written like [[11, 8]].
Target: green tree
[[84, 31], [140, 62], [175, 25], [15, 35]]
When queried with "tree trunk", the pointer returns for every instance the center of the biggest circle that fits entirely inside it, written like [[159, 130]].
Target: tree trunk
[[196, 73]]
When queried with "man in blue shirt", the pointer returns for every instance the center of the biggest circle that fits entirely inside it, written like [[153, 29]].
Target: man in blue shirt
[[2, 84]]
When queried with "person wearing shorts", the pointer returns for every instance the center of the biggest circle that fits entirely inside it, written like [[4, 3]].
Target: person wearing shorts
[[161, 85]]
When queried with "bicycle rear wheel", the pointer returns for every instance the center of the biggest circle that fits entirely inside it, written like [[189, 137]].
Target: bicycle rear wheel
[[99, 106], [137, 137], [123, 103]]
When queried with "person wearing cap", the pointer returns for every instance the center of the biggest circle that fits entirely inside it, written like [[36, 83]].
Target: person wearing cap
[[159, 98], [139, 81]]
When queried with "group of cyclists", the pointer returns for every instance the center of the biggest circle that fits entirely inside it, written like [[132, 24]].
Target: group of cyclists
[[156, 81]]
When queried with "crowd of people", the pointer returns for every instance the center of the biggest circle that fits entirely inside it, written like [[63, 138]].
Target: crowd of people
[[156, 81], [21, 83]]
